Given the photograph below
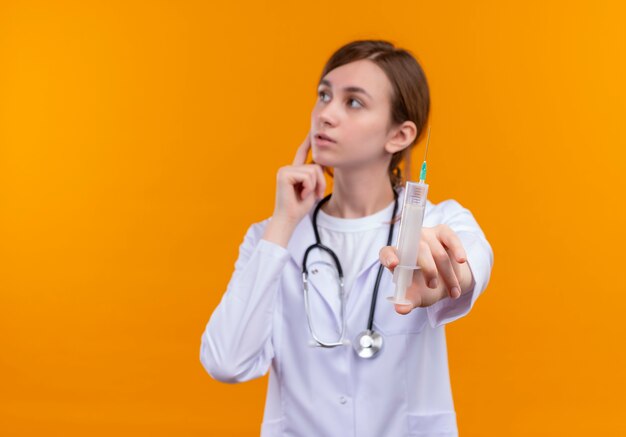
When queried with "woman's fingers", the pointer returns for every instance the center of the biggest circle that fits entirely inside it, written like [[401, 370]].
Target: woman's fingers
[[292, 176], [321, 181], [427, 263], [444, 266], [303, 151], [316, 178], [440, 252], [452, 242], [307, 176], [308, 186], [299, 160], [388, 257]]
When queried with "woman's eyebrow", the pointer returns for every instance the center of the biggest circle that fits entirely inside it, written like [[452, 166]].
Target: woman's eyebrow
[[354, 89]]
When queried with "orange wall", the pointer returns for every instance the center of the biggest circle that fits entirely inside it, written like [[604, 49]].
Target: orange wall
[[125, 128]]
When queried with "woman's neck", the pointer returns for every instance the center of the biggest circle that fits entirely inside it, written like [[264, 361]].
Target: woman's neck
[[359, 192]]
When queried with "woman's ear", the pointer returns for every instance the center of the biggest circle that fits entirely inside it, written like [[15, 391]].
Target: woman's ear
[[401, 137]]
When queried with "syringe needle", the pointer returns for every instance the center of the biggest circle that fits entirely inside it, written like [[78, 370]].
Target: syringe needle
[[427, 143], [423, 171]]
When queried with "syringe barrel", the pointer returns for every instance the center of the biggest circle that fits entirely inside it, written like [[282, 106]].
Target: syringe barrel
[[409, 236], [410, 232], [403, 278]]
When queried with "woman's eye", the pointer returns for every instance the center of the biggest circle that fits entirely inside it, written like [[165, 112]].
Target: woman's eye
[[321, 93], [355, 100]]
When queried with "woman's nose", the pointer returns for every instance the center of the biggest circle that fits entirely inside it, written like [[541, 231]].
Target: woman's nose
[[326, 117]]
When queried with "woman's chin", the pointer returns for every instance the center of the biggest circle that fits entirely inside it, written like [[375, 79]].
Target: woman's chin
[[321, 159]]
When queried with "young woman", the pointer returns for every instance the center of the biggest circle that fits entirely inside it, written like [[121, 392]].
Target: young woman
[[350, 364]]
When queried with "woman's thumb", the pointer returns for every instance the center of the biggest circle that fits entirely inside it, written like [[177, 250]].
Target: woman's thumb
[[388, 257]]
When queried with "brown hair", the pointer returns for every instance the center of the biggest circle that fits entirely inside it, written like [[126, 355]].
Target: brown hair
[[410, 99]]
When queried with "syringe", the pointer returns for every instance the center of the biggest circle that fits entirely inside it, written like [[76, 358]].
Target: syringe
[[410, 233]]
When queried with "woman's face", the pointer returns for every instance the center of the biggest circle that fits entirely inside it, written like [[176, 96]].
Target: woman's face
[[354, 109]]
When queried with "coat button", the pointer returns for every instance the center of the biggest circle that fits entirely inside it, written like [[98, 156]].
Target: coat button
[[342, 399]]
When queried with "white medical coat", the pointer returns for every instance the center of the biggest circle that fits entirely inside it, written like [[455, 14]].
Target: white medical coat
[[260, 325]]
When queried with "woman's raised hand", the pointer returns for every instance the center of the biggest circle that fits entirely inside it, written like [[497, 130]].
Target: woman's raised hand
[[443, 269], [298, 186]]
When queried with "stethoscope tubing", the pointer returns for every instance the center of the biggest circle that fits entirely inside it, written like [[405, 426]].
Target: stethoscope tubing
[[318, 244]]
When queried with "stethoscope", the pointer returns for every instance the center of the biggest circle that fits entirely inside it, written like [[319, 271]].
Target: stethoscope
[[369, 342]]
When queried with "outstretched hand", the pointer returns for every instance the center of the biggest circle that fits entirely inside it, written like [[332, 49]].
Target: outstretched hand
[[442, 272]]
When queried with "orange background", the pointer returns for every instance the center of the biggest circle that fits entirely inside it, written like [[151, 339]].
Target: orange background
[[139, 140]]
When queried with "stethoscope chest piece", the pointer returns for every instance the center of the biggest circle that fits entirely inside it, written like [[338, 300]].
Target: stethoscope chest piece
[[368, 343]]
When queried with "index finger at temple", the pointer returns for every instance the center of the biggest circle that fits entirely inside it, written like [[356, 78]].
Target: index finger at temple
[[303, 151], [452, 242]]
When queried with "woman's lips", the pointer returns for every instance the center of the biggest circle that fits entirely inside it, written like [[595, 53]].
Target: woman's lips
[[322, 140]]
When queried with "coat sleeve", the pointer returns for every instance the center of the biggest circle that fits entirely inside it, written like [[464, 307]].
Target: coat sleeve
[[479, 258], [237, 344]]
